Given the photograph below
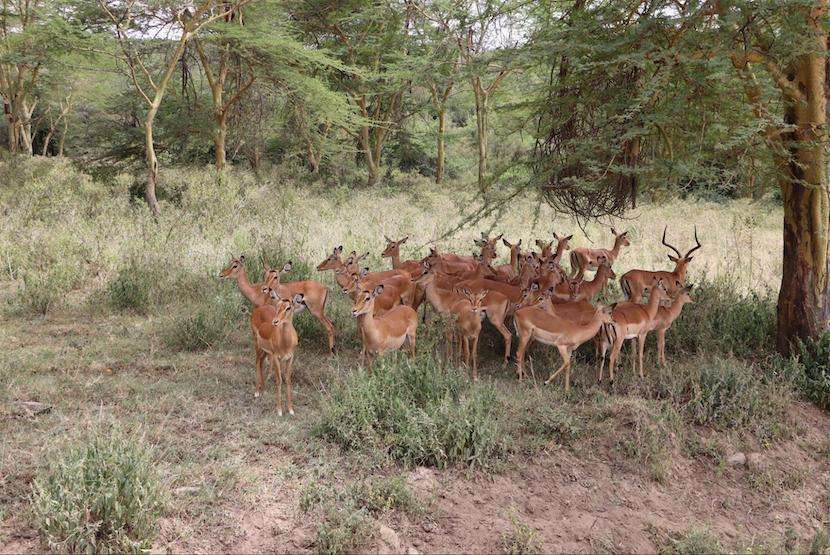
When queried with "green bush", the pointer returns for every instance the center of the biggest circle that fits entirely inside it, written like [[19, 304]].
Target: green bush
[[416, 413], [693, 542], [132, 287], [101, 494], [201, 324], [725, 321], [813, 364], [44, 291], [344, 530]]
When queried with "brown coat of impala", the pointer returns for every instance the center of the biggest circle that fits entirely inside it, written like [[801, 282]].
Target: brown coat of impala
[[510, 270], [469, 311], [536, 324], [636, 282], [631, 321], [588, 290], [274, 334], [387, 332], [497, 305], [666, 315], [315, 294], [583, 258]]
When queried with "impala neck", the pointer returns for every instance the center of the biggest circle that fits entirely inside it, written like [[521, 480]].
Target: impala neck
[[560, 250], [396, 259], [247, 288], [615, 250], [514, 259], [675, 308], [680, 270], [653, 304]]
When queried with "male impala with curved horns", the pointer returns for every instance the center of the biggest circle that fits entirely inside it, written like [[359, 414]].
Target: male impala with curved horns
[[387, 332], [636, 282], [584, 258]]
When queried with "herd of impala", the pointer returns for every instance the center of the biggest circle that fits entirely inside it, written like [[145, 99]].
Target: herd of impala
[[545, 303]]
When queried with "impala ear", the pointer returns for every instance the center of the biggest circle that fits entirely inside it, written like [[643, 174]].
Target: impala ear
[[614, 231], [672, 258], [479, 242], [689, 258], [519, 244], [540, 244], [506, 243], [534, 286], [299, 298], [388, 240], [363, 272], [242, 258], [569, 237], [287, 267], [378, 290], [338, 249], [404, 240]]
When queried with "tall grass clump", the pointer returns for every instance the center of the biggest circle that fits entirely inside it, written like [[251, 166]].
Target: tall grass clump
[[100, 494], [201, 324], [724, 320], [813, 365], [693, 542], [42, 291], [132, 288], [417, 414]]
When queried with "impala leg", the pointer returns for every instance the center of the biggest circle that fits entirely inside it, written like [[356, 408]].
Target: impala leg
[[641, 345], [566, 359], [410, 336], [318, 310], [524, 340], [661, 347], [260, 376], [615, 352], [505, 333], [474, 355], [448, 339], [601, 349], [276, 366], [288, 372]]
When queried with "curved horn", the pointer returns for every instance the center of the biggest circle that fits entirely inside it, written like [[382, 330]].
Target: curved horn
[[666, 244], [697, 246]]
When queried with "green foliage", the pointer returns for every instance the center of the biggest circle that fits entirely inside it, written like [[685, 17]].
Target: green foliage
[[416, 413], [200, 325], [132, 287], [693, 542], [521, 539], [723, 320], [814, 365], [100, 494], [344, 529], [43, 291]]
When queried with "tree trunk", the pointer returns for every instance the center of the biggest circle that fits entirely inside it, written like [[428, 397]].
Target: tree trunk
[[62, 141], [804, 298], [220, 139], [439, 165], [152, 163]]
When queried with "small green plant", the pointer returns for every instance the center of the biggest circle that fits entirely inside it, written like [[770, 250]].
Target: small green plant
[[100, 494], [344, 529], [820, 544], [43, 291], [693, 542], [814, 378], [200, 325], [383, 494], [521, 539], [131, 288], [417, 413]]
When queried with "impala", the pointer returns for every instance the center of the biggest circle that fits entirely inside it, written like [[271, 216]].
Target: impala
[[631, 321], [536, 324], [636, 282], [386, 332], [274, 334], [511, 269], [315, 295], [562, 244], [469, 311], [666, 317], [588, 290], [393, 251], [583, 258]]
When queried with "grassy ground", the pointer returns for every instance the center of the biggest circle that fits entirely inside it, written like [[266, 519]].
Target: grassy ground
[[100, 303]]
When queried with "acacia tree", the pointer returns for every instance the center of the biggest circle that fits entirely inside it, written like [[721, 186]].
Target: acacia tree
[[132, 23]]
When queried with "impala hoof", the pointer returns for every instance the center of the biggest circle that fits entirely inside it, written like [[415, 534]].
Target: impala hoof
[[291, 412], [257, 394]]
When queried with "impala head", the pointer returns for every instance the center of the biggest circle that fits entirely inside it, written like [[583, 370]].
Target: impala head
[[354, 281], [684, 295], [365, 301], [393, 248], [514, 247], [272, 275], [476, 300], [606, 270], [546, 248], [233, 268], [333, 261], [606, 313], [530, 296], [681, 261], [621, 238], [562, 242], [285, 308]]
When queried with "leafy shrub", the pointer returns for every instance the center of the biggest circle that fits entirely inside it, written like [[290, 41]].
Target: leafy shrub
[[693, 542], [382, 494], [344, 530], [101, 494], [725, 321], [43, 291], [416, 413], [132, 287], [521, 539], [814, 375], [201, 325]]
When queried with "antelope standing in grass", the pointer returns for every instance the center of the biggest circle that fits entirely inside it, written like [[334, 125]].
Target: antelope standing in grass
[[387, 332], [636, 282], [666, 315], [583, 258], [274, 335]]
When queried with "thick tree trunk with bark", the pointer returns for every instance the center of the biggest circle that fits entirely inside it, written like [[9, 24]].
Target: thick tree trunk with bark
[[804, 298]]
